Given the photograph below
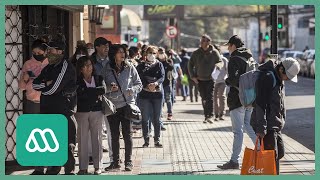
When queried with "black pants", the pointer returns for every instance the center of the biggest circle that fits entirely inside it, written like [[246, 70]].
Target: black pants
[[206, 93], [273, 141], [193, 90], [126, 125], [31, 107], [69, 166]]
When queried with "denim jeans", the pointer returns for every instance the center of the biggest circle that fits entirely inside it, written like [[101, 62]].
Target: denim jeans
[[240, 119], [167, 97], [150, 111], [173, 95]]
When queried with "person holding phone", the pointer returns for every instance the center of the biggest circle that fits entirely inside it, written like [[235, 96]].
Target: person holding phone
[[30, 70]]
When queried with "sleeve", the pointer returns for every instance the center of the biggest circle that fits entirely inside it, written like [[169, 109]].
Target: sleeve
[[191, 65], [233, 74], [66, 75], [102, 89], [22, 84], [140, 73], [162, 74], [264, 87], [137, 84], [38, 83], [218, 61]]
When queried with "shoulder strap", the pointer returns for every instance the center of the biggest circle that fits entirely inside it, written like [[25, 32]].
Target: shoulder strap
[[119, 85], [274, 79]]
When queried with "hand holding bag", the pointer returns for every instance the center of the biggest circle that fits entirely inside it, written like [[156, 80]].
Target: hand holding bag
[[108, 108], [258, 162], [131, 111]]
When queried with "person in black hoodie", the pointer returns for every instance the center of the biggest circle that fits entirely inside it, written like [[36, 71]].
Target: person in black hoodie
[[57, 83], [89, 116], [240, 116], [268, 116]]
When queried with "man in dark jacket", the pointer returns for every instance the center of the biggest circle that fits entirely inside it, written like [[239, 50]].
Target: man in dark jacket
[[202, 63], [240, 116], [100, 56], [268, 116], [57, 83]]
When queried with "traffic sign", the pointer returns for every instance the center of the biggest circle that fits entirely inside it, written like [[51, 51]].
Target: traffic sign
[[171, 31]]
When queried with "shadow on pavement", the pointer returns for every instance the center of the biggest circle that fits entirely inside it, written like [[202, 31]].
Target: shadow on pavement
[[300, 128]]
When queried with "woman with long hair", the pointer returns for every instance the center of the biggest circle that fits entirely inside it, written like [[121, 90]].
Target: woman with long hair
[[123, 83]]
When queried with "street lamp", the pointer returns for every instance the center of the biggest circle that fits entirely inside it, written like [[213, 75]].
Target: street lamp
[[100, 13], [92, 13]]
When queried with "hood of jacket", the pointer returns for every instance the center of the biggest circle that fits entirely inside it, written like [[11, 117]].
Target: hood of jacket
[[243, 52]]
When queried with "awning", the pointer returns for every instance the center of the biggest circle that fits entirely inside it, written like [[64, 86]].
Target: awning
[[130, 18], [71, 8]]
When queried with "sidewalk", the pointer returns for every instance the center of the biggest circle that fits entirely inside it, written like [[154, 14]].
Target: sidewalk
[[192, 147]]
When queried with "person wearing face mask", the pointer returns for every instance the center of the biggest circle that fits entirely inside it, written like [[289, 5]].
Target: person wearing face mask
[[57, 84], [30, 70], [152, 75], [80, 51], [90, 48]]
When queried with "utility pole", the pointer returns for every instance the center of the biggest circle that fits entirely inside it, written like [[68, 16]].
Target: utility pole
[[259, 32], [274, 29]]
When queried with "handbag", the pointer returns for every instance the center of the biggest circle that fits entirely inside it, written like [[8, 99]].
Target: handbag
[[108, 108], [131, 111], [258, 162]]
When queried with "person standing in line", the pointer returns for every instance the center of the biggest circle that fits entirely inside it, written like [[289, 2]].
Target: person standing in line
[[219, 88], [57, 83], [152, 76], [268, 116], [201, 65], [100, 58], [89, 116], [31, 70], [240, 115], [123, 83]]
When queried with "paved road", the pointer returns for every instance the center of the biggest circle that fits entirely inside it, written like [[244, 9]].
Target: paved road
[[300, 104]]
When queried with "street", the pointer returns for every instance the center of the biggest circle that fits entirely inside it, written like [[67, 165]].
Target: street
[[300, 104], [194, 148]]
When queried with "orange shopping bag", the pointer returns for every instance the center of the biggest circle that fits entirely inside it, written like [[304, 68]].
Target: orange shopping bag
[[258, 162]]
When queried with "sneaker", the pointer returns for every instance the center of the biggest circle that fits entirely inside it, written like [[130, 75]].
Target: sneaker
[[82, 172], [229, 165], [169, 117], [163, 128], [97, 171], [145, 145], [37, 173], [104, 149], [210, 120], [205, 120], [112, 166], [221, 117], [128, 166], [158, 145]]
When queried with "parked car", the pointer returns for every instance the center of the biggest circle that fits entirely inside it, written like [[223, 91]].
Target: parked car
[[266, 51], [293, 54]]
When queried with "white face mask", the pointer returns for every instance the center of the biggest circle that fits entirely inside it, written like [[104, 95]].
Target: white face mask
[[90, 51], [79, 56], [151, 58], [162, 56]]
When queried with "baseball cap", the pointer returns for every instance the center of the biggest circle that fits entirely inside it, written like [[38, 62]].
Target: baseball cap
[[292, 68], [101, 41], [236, 40]]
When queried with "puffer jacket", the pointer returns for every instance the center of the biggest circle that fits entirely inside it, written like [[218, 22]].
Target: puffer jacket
[[269, 111]]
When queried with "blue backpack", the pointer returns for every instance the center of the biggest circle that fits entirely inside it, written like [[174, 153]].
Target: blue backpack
[[247, 86]]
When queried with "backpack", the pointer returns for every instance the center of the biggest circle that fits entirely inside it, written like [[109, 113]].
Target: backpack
[[251, 63], [247, 86]]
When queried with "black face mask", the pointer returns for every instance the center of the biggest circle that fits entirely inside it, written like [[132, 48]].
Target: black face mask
[[40, 57]]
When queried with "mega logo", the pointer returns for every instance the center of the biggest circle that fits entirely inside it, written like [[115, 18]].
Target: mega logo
[[43, 137], [42, 140]]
